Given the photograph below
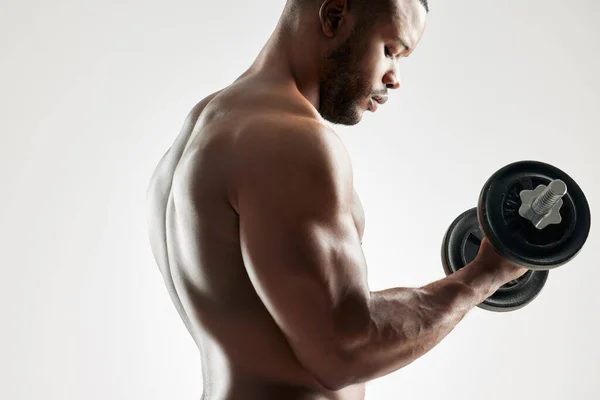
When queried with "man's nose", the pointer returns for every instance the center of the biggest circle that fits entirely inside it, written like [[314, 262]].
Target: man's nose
[[392, 78]]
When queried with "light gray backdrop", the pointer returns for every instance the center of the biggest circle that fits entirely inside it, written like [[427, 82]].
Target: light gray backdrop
[[92, 94]]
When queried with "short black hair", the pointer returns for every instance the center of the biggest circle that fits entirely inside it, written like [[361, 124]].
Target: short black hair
[[363, 4], [378, 5], [371, 10]]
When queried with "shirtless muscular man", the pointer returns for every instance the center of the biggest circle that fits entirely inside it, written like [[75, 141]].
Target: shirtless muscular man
[[256, 227]]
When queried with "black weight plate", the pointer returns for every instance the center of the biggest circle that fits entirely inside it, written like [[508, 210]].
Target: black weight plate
[[461, 245], [515, 237]]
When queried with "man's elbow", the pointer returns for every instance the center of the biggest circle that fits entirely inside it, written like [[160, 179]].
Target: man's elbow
[[332, 368], [342, 368], [334, 384], [337, 363], [333, 375]]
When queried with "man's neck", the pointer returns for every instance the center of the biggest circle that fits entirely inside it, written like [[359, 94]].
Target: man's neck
[[290, 56]]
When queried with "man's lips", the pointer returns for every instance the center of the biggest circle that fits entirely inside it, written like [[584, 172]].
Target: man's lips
[[374, 102], [380, 99]]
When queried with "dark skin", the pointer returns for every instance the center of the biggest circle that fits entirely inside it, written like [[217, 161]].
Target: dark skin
[[256, 227]]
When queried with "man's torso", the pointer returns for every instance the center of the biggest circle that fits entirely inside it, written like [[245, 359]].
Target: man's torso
[[197, 248]]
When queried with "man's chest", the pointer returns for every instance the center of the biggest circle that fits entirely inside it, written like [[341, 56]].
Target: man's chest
[[358, 214]]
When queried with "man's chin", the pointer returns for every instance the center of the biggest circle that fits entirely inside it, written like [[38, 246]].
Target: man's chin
[[344, 121], [348, 118]]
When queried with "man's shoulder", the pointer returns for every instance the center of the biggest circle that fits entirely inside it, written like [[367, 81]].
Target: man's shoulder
[[289, 158], [288, 124], [266, 129], [290, 136], [260, 112]]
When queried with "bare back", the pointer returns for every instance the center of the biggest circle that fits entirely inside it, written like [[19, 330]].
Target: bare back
[[197, 248]]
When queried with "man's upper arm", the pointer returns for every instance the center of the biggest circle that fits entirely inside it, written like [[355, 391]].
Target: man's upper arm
[[299, 241]]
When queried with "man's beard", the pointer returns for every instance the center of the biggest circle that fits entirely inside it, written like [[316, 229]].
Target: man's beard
[[343, 88]]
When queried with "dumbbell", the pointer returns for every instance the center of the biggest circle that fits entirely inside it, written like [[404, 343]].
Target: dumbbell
[[534, 215]]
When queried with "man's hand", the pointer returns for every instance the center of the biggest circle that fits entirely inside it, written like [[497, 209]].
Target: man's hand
[[503, 268]]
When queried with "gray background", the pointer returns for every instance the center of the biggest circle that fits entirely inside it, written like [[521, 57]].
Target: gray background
[[92, 94]]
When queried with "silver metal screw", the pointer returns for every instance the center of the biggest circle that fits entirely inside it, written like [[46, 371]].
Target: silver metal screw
[[549, 197], [542, 205]]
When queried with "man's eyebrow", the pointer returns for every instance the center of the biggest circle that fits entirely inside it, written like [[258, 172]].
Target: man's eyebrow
[[402, 43]]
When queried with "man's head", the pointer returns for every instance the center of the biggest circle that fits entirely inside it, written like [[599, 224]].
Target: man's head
[[361, 43]]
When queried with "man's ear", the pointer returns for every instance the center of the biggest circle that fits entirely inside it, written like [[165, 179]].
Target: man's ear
[[332, 15]]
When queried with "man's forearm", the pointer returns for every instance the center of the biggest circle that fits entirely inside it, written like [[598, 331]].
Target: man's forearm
[[408, 322]]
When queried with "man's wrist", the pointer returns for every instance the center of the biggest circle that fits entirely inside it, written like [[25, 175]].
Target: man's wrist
[[484, 279]]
